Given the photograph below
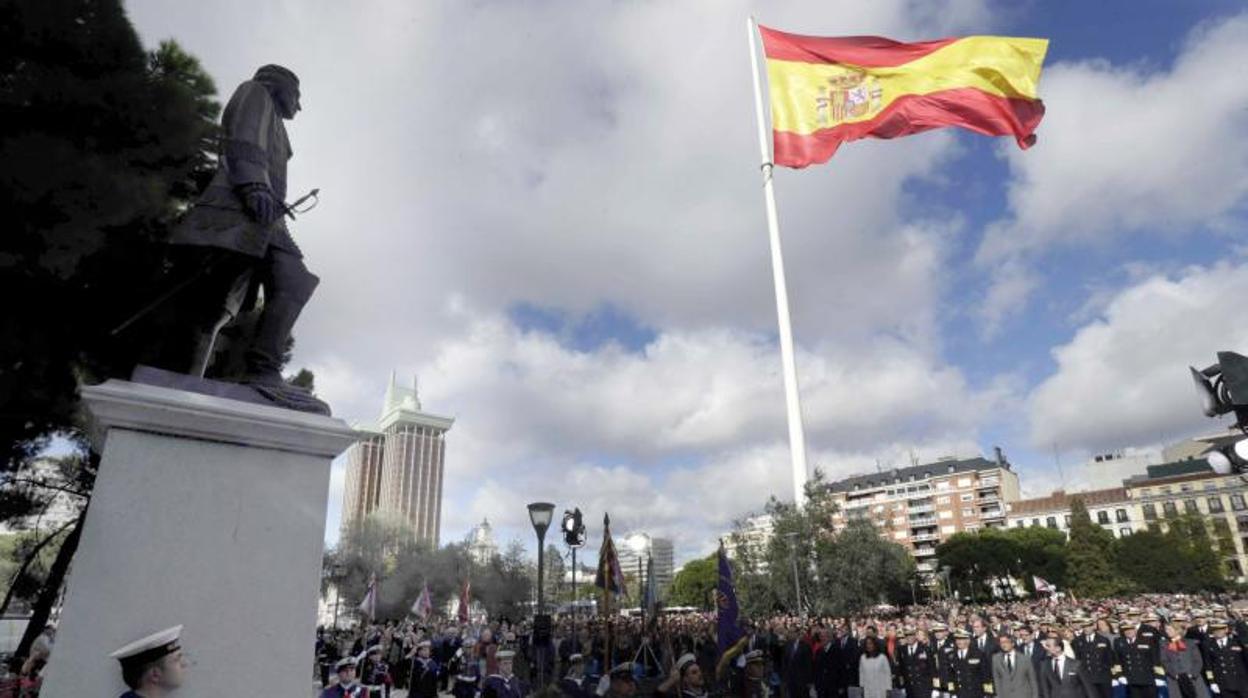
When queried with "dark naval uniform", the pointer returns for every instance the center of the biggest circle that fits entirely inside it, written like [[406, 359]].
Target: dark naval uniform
[[1146, 633], [498, 686], [338, 691], [1140, 666], [1226, 666], [1097, 658], [918, 670], [466, 681], [424, 678], [940, 651], [969, 676], [573, 687]]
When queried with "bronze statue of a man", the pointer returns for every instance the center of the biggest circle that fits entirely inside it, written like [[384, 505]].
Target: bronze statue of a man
[[241, 216]]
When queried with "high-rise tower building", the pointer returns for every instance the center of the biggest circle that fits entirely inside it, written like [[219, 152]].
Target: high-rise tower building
[[397, 467]]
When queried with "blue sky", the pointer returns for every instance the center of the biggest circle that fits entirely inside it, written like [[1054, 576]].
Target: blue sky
[[551, 213]]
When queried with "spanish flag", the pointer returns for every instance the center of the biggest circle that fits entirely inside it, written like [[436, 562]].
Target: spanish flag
[[825, 91]]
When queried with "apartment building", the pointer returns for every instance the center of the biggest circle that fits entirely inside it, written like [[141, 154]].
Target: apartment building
[[1111, 508], [1191, 487], [922, 505]]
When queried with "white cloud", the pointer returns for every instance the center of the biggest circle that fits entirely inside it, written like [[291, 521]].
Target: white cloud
[[687, 392], [1123, 379], [1126, 151], [473, 156]]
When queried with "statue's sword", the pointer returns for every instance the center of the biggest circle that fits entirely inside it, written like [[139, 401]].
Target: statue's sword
[[287, 209], [292, 209]]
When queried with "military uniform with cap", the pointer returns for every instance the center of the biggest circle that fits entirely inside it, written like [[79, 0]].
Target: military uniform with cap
[[753, 683], [917, 665], [1139, 662], [350, 689], [469, 676], [425, 673], [940, 649], [1095, 652], [137, 657], [1226, 666], [573, 684], [500, 685], [970, 673]]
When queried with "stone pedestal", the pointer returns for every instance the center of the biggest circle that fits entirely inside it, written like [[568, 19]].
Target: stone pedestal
[[207, 513]]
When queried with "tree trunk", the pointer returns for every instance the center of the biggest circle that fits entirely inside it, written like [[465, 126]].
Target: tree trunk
[[30, 558], [51, 587]]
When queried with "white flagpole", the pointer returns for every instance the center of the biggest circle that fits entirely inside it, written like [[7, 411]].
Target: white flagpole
[[797, 435]]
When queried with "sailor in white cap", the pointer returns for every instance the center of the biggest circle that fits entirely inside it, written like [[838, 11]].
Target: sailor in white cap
[[425, 671], [755, 671], [469, 674], [372, 670], [504, 684], [346, 686], [686, 679], [620, 682], [572, 685], [153, 666]]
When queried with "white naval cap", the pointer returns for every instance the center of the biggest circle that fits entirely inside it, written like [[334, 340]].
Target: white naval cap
[[150, 648]]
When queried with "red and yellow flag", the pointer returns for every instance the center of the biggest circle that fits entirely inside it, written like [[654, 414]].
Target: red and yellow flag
[[825, 91]]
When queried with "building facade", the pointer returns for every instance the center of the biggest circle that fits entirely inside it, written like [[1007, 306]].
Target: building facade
[[481, 545], [659, 550], [922, 505], [1191, 487], [1112, 508], [754, 534], [397, 468]]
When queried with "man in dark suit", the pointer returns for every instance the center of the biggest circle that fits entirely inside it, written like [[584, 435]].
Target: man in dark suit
[[799, 666], [1031, 648], [1199, 630], [1061, 676], [842, 656], [825, 670], [983, 640], [1095, 653]]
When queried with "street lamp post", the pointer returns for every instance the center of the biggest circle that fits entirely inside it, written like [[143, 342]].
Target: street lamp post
[[797, 585], [540, 514], [335, 573]]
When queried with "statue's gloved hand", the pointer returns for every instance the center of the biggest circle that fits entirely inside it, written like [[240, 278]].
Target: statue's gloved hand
[[260, 203]]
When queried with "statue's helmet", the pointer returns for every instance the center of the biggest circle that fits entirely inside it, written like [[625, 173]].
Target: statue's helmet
[[278, 76]]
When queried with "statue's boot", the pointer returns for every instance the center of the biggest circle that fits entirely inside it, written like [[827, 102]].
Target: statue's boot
[[264, 356]]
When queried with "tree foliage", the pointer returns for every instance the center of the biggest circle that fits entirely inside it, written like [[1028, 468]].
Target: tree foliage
[[838, 572], [104, 145], [977, 559], [693, 584], [1185, 558], [1090, 556], [388, 548]]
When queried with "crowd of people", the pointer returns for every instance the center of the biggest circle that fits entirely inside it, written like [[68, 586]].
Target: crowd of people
[[1143, 647]]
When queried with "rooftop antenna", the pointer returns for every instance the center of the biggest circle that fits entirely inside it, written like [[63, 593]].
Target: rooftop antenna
[[1057, 461]]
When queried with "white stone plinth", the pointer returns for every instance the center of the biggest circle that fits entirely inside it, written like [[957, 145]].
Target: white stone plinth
[[207, 513]]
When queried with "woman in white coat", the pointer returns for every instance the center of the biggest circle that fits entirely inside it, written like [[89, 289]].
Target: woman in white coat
[[874, 671]]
